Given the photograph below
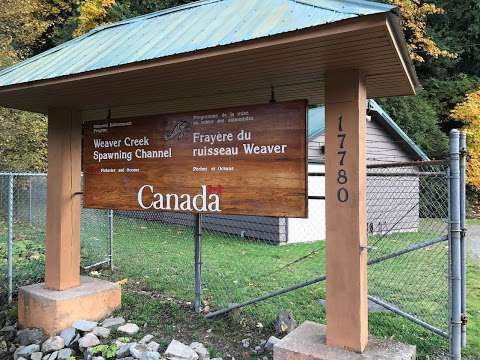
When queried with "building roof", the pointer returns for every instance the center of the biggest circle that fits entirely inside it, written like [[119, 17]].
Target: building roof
[[197, 26], [316, 126]]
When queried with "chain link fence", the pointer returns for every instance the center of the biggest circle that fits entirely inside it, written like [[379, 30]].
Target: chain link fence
[[244, 260], [22, 232]]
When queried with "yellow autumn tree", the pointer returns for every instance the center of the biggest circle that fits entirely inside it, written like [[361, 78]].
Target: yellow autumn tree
[[469, 112], [414, 14], [92, 13]]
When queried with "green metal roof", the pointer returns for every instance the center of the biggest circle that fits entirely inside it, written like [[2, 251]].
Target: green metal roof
[[197, 26]]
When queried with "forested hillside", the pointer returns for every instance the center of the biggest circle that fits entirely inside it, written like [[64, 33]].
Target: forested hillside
[[443, 38]]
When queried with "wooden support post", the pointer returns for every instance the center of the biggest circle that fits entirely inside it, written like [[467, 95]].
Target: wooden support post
[[62, 268], [346, 219]]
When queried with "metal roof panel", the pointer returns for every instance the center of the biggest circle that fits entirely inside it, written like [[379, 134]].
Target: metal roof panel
[[196, 26]]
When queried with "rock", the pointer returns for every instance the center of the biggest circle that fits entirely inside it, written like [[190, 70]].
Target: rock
[[201, 350], [246, 343], [137, 350], [101, 331], [153, 346], [178, 351], [113, 322], [146, 339], [64, 354], [217, 358], [30, 336], [3, 347], [150, 355], [98, 358], [26, 351], [285, 322], [53, 356], [118, 343], [88, 340], [68, 335], [53, 344], [129, 328], [84, 325], [9, 333], [46, 357], [258, 348], [124, 351], [272, 340], [36, 356]]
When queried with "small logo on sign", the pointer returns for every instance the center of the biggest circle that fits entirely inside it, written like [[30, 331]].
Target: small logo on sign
[[178, 131]]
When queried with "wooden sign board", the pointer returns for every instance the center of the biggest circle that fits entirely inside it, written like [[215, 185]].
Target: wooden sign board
[[248, 160]]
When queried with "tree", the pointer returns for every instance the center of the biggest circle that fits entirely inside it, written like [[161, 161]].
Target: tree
[[469, 112], [418, 119], [23, 141], [92, 13], [414, 14], [25, 27]]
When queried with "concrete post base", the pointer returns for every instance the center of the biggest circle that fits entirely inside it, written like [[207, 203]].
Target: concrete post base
[[53, 310], [307, 342]]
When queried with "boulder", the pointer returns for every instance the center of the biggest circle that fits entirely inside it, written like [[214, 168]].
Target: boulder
[[30, 336], [178, 351], [146, 339], [113, 322], [285, 322], [53, 356], [201, 350], [36, 356], [65, 354], [26, 351], [153, 346], [124, 351], [53, 344], [101, 332], [87, 341], [129, 328], [272, 340], [137, 350], [84, 325], [68, 335], [150, 355]]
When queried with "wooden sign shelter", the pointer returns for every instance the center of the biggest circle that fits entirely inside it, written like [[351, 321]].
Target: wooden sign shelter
[[219, 54], [217, 161]]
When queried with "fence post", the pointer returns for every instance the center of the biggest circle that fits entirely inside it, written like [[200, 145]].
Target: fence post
[[110, 238], [10, 238], [456, 279], [198, 262], [463, 252], [30, 200]]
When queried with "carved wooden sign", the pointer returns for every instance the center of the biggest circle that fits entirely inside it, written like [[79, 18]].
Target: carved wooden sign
[[248, 160]]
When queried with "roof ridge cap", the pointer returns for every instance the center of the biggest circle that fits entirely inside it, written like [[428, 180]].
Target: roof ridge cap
[[356, 2]]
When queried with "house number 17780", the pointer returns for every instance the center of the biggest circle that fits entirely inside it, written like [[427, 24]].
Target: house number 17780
[[342, 179]]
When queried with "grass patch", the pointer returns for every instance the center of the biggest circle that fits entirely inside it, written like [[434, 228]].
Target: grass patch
[[157, 259], [473, 311]]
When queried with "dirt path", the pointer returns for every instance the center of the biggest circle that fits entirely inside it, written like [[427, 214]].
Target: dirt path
[[473, 241]]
